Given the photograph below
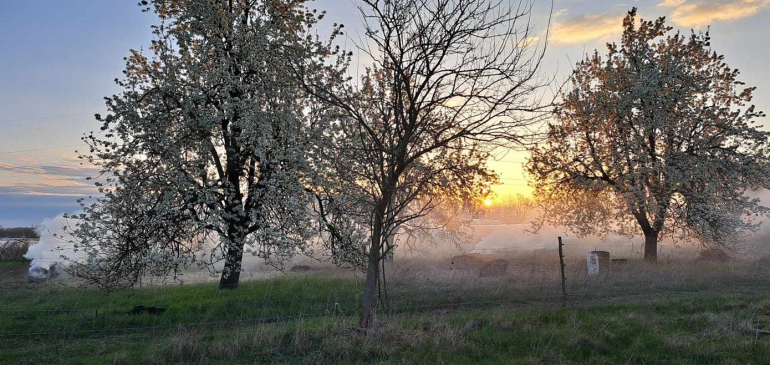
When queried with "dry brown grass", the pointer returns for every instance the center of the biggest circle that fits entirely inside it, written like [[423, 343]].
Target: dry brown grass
[[537, 277]]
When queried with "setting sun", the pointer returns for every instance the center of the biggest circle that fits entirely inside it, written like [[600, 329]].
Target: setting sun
[[493, 172]]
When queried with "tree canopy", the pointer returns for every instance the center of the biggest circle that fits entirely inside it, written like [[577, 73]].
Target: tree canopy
[[658, 136], [203, 152]]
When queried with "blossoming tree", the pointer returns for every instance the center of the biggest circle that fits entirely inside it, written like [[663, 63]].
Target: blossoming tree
[[204, 149], [657, 137]]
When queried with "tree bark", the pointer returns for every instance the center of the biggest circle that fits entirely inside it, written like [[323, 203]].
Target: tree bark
[[389, 245], [651, 246], [369, 296], [651, 234], [231, 273]]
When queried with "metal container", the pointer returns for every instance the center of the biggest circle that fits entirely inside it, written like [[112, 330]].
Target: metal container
[[598, 262]]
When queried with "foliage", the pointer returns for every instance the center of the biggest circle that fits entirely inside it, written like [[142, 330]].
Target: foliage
[[657, 135], [203, 152]]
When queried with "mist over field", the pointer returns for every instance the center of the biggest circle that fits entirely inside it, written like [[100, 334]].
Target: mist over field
[[384, 182], [493, 236]]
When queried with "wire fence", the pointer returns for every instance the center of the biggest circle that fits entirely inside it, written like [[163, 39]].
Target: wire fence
[[547, 251], [272, 306]]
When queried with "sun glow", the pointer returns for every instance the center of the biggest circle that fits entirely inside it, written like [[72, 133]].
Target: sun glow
[[488, 202]]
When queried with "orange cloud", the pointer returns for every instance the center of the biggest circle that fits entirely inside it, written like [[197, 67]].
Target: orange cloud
[[53, 180], [671, 3], [697, 14], [586, 28]]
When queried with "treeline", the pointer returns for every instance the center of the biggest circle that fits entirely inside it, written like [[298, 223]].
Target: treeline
[[18, 232]]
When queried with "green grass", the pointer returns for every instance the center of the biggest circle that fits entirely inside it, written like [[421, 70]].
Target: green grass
[[54, 308], [14, 263], [311, 319]]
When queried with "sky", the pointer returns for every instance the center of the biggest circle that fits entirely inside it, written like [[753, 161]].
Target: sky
[[58, 60]]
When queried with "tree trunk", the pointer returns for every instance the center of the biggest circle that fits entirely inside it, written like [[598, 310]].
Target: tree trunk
[[389, 245], [651, 233], [369, 296], [231, 273], [651, 246]]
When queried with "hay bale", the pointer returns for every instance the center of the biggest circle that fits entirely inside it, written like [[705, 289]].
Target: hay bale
[[14, 249], [469, 261], [301, 268], [713, 255], [497, 267]]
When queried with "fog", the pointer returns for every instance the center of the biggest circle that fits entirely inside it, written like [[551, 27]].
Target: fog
[[53, 245], [487, 237]]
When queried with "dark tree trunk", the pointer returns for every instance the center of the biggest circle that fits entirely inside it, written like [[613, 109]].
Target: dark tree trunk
[[369, 296], [651, 233], [231, 272], [651, 246], [236, 222]]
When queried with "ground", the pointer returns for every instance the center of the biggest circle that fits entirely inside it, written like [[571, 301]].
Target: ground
[[676, 313]]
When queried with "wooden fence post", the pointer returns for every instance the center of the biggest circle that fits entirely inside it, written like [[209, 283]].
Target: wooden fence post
[[561, 262]]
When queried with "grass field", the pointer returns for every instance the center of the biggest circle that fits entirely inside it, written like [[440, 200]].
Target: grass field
[[675, 313]]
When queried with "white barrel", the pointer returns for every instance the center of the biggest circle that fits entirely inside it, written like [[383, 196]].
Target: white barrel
[[598, 262]]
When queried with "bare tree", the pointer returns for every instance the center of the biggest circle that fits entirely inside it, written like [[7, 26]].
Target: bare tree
[[657, 136], [451, 80]]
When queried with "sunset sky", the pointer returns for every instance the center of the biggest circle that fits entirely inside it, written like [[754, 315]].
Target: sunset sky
[[58, 60]]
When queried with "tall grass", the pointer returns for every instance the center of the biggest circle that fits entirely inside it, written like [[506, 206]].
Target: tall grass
[[678, 311]]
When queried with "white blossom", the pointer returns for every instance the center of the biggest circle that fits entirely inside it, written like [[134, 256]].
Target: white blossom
[[656, 137], [204, 148]]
